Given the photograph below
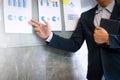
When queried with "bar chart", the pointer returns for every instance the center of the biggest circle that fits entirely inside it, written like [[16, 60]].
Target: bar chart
[[52, 3], [17, 3]]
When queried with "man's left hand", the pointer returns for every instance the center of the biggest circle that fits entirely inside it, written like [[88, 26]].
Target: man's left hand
[[101, 35]]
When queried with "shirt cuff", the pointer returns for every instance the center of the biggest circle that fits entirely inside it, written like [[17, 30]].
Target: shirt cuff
[[50, 37]]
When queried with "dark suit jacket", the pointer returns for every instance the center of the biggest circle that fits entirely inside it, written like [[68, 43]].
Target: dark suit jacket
[[110, 54]]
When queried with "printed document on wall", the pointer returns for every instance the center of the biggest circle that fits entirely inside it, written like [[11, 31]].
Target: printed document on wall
[[71, 13], [49, 10], [73, 10], [17, 13]]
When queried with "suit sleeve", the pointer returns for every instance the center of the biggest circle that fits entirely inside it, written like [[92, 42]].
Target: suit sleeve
[[114, 41], [73, 43]]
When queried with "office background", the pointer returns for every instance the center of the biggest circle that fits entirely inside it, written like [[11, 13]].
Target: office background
[[41, 62]]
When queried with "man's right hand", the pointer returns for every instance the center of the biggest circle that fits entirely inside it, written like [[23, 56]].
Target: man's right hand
[[41, 29]]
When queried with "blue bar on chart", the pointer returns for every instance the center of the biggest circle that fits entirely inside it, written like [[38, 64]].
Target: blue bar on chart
[[14, 3], [41, 2], [9, 3], [24, 3], [17, 3], [47, 2], [56, 3]]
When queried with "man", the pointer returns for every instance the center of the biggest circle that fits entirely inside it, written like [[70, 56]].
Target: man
[[103, 48]]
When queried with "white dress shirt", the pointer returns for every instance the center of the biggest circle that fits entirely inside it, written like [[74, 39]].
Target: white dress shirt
[[103, 13], [100, 13]]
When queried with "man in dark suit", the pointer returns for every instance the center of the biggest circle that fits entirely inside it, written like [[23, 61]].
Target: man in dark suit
[[103, 48]]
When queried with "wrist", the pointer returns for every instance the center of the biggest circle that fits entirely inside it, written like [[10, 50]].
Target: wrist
[[48, 39]]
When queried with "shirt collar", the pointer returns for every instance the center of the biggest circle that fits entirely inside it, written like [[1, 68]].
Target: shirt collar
[[109, 7]]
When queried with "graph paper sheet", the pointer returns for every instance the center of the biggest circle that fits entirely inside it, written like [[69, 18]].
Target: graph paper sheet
[[17, 13], [49, 10]]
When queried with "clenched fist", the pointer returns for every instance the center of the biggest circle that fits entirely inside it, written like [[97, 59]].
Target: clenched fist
[[101, 35]]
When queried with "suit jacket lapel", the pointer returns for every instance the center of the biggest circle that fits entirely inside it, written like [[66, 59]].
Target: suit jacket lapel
[[115, 13], [91, 18]]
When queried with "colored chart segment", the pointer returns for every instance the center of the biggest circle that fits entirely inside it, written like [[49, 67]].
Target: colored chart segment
[[66, 1]]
